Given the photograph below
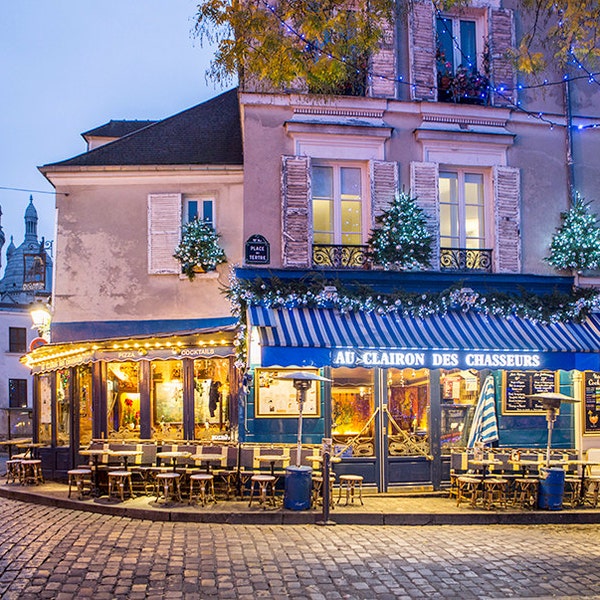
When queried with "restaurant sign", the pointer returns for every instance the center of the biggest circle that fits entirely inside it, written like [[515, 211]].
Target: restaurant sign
[[430, 359]]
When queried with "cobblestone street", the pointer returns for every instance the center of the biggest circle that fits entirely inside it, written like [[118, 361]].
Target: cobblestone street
[[57, 553]]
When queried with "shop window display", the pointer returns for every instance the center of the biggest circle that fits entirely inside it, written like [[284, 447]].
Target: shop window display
[[123, 399], [459, 392], [166, 398], [408, 412], [84, 378], [353, 411], [211, 397], [63, 407], [45, 408]]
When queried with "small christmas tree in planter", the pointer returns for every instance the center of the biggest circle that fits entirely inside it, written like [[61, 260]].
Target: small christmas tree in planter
[[199, 249], [400, 240], [576, 245]]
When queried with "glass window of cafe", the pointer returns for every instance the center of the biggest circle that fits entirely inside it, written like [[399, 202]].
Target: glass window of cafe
[[84, 387], [211, 397], [408, 395], [166, 399], [123, 399]]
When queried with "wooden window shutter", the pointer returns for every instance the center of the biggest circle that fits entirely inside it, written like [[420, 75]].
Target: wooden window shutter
[[383, 176], [424, 187], [502, 70], [296, 223], [164, 233], [383, 65], [422, 50], [507, 204]]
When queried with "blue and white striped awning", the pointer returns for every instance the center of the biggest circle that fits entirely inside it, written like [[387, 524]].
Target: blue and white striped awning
[[329, 328]]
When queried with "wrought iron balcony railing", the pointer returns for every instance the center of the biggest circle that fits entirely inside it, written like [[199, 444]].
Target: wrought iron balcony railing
[[340, 257], [465, 259]]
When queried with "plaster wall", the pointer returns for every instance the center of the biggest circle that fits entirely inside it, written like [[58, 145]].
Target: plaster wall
[[102, 247]]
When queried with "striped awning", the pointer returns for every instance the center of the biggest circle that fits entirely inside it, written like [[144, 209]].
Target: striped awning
[[329, 328]]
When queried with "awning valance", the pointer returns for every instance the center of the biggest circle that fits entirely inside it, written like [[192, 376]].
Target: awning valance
[[455, 331]]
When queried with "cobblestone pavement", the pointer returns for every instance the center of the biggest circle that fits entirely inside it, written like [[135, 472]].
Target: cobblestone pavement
[[48, 552]]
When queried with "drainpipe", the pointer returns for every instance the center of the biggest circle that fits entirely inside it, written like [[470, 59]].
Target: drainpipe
[[569, 141]]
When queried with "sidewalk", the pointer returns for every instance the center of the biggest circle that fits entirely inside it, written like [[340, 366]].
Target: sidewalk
[[379, 509]]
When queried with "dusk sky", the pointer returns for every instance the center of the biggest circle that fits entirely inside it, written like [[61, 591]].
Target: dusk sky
[[67, 66]]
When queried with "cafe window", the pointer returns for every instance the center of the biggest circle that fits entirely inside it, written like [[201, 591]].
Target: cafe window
[[63, 407], [44, 408], [17, 339], [123, 399], [211, 397], [459, 392], [84, 386], [17, 393], [166, 399], [408, 412], [353, 411]]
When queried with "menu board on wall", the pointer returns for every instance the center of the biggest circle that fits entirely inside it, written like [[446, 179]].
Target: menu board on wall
[[517, 385], [278, 397], [591, 398]]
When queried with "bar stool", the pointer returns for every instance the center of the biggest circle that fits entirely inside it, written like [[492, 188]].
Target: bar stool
[[317, 490], [79, 478], [263, 482], [206, 488], [494, 492], [170, 485], [118, 480], [525, 492], [350, 483], [31, 471], [468, 488], [13, 471]]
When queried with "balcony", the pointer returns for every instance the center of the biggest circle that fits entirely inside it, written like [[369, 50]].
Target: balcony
[[340, 257], [465, 259]]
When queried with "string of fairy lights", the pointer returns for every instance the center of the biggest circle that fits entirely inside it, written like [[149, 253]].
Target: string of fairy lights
[[503, 91]]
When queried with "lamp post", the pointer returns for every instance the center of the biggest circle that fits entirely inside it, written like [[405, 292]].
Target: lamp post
[[551, 403], [41, 317]]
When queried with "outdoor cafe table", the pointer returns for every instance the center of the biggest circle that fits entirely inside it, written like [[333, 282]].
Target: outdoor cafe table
[[95, 453], [208, 458], [273, 458], [31, 447], [584, 464], [125, 455], [14, 442], [483, 464], [174, 455]]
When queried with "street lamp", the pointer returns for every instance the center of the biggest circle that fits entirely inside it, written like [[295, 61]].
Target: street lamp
[[41, 317], [551, 403], [302, 381]]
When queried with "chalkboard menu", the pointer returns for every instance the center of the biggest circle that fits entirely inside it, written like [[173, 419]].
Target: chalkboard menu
[[591, 397], [516, 385]]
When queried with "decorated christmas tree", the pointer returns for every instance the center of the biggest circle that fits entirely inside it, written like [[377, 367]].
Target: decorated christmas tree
[[576, 245], [400, 240], [199, 249]]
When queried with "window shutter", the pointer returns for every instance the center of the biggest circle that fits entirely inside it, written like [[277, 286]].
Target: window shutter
[[383, 65], [424, 187], [422, 50], [507, 201], [384, 185], [297, 211], [501, 40], [164, 233]]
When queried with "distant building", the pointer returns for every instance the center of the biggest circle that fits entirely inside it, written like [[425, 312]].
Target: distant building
[[27, 277]]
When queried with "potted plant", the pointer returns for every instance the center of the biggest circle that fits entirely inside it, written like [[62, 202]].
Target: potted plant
[[199, 249]]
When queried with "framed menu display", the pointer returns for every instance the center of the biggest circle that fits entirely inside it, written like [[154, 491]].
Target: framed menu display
[[278, 397], [591, 400], [517, 385]]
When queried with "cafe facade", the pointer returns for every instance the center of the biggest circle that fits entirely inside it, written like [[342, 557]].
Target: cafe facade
[[403, 389]]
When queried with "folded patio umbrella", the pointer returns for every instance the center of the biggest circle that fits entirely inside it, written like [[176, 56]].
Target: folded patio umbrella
[[485, 424]]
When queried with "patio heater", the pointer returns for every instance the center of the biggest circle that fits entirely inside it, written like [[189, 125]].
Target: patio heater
[[302, 381], [550, 401]]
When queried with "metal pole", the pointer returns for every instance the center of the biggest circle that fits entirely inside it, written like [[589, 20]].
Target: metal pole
[[301, 397], [326, 454]]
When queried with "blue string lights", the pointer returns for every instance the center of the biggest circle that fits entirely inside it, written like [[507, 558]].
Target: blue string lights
[[503, 90]]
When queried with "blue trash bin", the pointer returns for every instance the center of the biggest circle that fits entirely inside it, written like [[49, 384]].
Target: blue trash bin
[[298, 485], [552, 488]]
